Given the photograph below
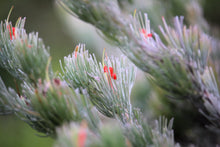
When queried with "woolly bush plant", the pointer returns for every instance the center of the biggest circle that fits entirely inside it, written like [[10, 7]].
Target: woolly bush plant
[[72, 106]]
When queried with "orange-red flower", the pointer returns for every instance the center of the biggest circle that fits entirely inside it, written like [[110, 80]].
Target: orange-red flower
[[105, 69], [76, 50], [82, 135], [149, 35], [112, 74], [111, 70], [11, 33], [144, 32]]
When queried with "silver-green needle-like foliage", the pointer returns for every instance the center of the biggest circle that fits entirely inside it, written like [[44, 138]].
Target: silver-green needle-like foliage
[[23, 55], [181, 66], [108, 84], [6, 94], [50, 105], [45, 102], [163, 134], [177, 61], [56, 103], [80, 135], [103, 14], [112, 135], [110, 95], [21, 106]]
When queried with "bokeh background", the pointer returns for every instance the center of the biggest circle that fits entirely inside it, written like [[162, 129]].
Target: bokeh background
[[62, 32]]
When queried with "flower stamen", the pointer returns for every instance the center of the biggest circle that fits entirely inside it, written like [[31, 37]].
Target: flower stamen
[[145, 34], [76, 50], [11, 33]]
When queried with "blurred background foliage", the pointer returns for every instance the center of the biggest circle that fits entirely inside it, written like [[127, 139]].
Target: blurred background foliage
[[62, 32]]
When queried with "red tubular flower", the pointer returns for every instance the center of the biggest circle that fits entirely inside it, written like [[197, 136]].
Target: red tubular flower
[[144, 32], [11, 33], [75, 54], [111, 70], [105, 69], [114, 76], [149, 35], [82, 137], [76, 50]]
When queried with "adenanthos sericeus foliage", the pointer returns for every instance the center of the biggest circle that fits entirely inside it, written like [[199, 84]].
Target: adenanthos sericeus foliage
[[23, 55], [46, 102], [108, 84], [72, 107], [177, 60], [43, 101]]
